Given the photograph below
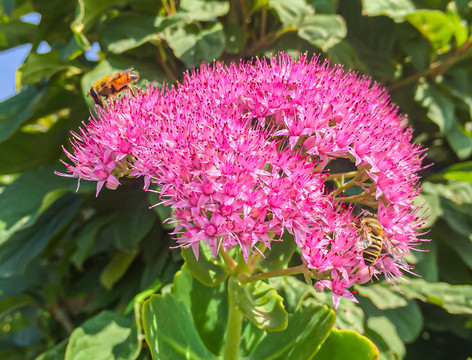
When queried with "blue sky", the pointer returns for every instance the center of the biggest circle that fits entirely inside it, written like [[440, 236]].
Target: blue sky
[[11, 59]]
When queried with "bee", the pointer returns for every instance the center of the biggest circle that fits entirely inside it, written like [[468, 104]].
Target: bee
[[109, 85], [373, 239]]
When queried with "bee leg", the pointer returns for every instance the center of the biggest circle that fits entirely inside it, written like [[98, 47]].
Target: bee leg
[[96, 98], [370, 274]]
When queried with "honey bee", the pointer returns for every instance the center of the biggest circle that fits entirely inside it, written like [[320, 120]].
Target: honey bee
[[373, 239], [109, 85]]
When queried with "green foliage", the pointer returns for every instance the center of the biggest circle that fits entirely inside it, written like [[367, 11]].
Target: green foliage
[[64, 257]]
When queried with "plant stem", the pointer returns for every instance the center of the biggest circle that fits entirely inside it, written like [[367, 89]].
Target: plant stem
[[435, 68], [340, 175], [270, 274], [229, 261], [233, 334], [350, 183]]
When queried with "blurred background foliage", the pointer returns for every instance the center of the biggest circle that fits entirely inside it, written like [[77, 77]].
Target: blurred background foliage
[[68, 257]]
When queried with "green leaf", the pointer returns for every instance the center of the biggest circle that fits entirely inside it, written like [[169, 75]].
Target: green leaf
[[458, 172], [170, 332], [88, 12], [408, 319], [435, 26], [203, 10], [132, 223], [347, 344], [441, 111], [107, 336], [306, 331], [17, 110], [117, 267], [291, 13], [455, 22], [206, 269], [127, 32], [56, 353], [10, 303], [260, 303], [194, 46], [431, 206], [395, 9], [456, 299], [27, 193], [44, 66], [208, 305], [235, 38], [16, 33], [383, 295], [383, 333], [85, 239], [323, 31], [280, 253], [24, 246]]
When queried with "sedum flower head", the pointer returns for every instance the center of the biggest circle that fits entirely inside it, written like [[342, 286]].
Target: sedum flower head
[[244, 154]]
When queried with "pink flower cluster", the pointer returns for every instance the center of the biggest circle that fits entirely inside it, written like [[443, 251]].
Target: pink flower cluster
[[242, 154]]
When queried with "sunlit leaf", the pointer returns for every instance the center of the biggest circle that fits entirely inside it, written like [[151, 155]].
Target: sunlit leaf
[[307, 330], [347, 344], [260, 303], [170, 332]]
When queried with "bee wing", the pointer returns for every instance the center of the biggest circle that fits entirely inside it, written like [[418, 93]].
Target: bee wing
[[364, 240], [397, 254]]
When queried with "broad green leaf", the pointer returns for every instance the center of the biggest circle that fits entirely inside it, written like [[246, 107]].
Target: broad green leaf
[[144, 295], [456, 299], [408, 319], [170, 332], [455, 22], [323, 31], [280, 253], [16, 33], [459, 141], [16, 110], [133, 221], [306, 331], [349, 316], [395, 9], [56, 353], [164, 212], [440, 109], [27, 193], [435, 26], [206, 269], [259, 303], [291, 13], [117, 267], [383, 333], [208, 305], [251, 335], [8, 304], [127, 32], [431, 208], [25, 245], [235, 38], [343, 53], [88, 12], [459, 172], [347, 344], [194, 46], [203, 10], [383, 295], [17, 154], [44, 66], [85, 239], [107, 336]]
